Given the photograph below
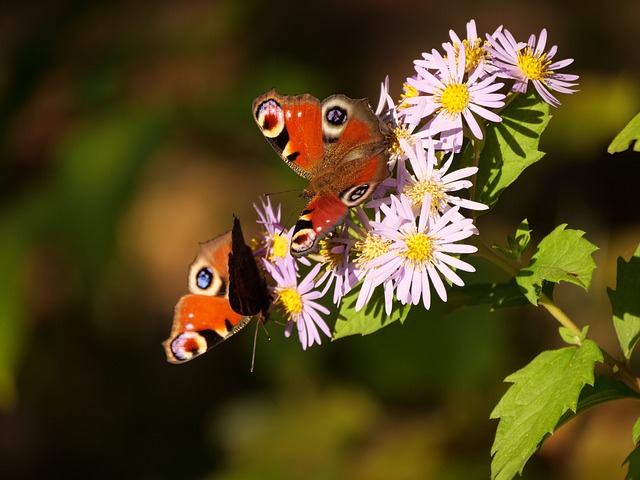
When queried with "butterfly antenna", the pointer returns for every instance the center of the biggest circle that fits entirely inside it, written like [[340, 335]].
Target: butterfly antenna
[[268, 194], [255, 342]]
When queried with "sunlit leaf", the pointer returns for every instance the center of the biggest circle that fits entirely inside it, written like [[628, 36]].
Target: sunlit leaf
[[370, 318], [628, 137], [562, 256], [539, 395]]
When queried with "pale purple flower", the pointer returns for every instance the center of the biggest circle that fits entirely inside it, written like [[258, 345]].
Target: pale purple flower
[[524, 62], [423, 177], [450, 96], [297, 301], [474, 50], [394, 125], [417, 252], [340, 271]]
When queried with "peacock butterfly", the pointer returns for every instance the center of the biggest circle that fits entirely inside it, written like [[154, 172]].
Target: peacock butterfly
[[226, 290], [336, 144]]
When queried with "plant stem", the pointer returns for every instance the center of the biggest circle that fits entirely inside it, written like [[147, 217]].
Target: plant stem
[[498, 260], [562, 318]]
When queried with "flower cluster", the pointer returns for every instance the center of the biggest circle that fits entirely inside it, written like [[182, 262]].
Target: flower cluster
[[408, 239]]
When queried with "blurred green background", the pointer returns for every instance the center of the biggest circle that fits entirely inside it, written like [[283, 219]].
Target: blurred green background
[[126, 137]]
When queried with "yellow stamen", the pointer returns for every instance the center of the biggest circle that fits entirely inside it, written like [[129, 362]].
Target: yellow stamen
[[291, 300], [329, 258], [474, 53], [533, 67], [419, 249], [417, 192], [407, 92], [371, 247], [393, 140], [279, 247], [455, 98]]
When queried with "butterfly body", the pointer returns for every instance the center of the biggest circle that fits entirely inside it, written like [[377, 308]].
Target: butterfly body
[[226, 290], [336, 144]]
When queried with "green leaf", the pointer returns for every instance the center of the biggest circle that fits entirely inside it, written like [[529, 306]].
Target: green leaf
[[605, 389], [569, 337], [541, 393], [518, 245], [635, 432], [563, 255], [629, 136], [633, 460], [497, 295], [371, 318], [625, 302], [510, 146]]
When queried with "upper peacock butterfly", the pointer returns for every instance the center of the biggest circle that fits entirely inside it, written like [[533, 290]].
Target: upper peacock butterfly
[[337, 145], [226, 289]]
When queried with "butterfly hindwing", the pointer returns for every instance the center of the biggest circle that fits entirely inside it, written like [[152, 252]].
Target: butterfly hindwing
[[207, 316], [247, 290]]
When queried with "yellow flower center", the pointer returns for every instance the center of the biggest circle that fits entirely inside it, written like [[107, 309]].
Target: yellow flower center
[[279, 247], [393, 140], [371, 247], [474, 53], [407, 92], [331, 259], [291, 301], [419, 249], [533, 67], [417, 192], [455, 98]]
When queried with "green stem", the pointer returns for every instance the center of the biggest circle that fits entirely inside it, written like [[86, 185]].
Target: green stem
[[498, 260], [563, 319]]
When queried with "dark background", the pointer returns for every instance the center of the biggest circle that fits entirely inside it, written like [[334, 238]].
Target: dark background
[[126, 137]]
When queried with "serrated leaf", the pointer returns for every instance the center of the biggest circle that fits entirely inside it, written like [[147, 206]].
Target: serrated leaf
[[510, 146], [539, 395], [371, 318], [562, 256], [629, 136], [604, 389], [625, 302]]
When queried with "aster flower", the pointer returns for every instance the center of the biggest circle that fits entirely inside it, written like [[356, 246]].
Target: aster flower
[[529, 62], [416, 252], [272, 242], [395, 127], [297, 300], [474, 51], [427, 179], [450, 96], [340, 272]]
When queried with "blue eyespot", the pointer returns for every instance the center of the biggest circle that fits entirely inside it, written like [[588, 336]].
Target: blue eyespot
[[204, 278]]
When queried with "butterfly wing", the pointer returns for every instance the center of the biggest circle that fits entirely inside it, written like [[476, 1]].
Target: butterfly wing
[[248, 293], [204, 318], [293, 127], [336, 144], [356, 162], [200, 322]]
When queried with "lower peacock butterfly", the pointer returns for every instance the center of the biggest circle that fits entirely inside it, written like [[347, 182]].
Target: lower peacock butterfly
[[336, 144], [226, 290]]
